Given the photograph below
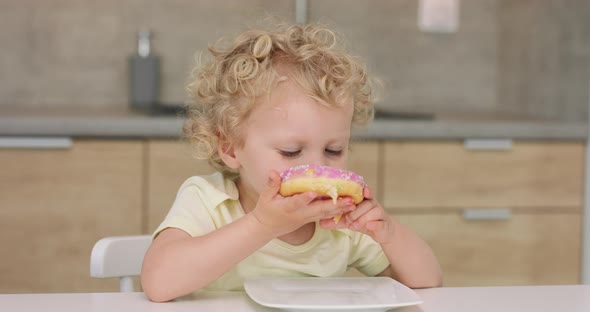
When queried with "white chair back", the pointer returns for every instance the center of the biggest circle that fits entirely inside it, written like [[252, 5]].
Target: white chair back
[[121, 257]]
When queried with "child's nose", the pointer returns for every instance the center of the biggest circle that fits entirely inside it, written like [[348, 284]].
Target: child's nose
[[318, 159]]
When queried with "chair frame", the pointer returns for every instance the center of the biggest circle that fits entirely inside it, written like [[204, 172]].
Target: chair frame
[[121, 257]]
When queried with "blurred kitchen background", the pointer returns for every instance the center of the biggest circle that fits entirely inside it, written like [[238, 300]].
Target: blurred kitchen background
[[526, 58], [479, 145]]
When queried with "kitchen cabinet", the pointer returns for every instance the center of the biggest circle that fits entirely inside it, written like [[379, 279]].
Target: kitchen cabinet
[[525, 249], [364, 159], [169, 164], [509, 217], [492, 217], [56, 203], [535, 175]]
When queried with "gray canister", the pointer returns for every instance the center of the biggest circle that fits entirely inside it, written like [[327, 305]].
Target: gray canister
[[144, 75]]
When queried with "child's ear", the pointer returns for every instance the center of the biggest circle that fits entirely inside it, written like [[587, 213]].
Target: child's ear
[[227, 154]]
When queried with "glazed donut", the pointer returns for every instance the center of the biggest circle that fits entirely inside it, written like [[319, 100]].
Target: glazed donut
[[325, 181]]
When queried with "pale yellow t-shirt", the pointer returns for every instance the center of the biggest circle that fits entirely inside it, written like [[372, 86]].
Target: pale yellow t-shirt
[[206, 203]]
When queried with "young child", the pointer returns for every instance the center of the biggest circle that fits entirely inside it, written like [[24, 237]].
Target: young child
[[272, 100]]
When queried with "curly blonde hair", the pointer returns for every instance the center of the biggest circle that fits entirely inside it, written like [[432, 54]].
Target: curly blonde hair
[[223, 91]]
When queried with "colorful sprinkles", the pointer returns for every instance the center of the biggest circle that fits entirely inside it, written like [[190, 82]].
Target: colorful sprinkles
[[321, 171]]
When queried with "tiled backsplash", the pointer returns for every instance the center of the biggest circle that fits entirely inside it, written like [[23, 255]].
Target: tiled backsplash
[[525, 57]]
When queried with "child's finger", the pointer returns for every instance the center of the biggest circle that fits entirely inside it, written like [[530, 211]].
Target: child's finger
[[360, 210], [331, 224], [273, 185], [373, 215], [367, 193], [326, 209], [375, 226], [302, 200]]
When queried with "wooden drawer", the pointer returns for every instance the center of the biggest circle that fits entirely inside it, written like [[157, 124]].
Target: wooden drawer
[[445, 174], [364, 160], [170, 163], [57, 203], [526, 249]]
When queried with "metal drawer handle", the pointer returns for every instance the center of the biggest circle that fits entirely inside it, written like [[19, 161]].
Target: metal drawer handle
[[488, 144], [487, 214], [36, 142]]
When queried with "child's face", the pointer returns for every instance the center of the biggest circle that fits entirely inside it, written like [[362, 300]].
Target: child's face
[[289, 128]]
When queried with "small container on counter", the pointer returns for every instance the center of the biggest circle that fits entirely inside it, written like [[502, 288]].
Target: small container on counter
[[144, 75]]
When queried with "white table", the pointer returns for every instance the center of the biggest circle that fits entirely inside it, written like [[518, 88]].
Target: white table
[[573, 298]]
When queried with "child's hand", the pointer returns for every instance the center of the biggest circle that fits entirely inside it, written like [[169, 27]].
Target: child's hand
[[368, 217], [282, 215]]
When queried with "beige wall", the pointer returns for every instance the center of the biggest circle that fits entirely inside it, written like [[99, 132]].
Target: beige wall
[[525, 57]]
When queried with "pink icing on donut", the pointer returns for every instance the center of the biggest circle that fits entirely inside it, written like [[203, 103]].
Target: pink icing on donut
[[321, 171]]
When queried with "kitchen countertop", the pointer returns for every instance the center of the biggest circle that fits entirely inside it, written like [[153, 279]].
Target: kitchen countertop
[[125, 123]]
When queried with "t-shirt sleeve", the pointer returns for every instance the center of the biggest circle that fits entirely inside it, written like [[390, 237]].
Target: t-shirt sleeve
[[367, 256], [189, 213]]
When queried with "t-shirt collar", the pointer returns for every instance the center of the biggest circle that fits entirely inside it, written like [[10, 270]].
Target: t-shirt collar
[[224, 189]]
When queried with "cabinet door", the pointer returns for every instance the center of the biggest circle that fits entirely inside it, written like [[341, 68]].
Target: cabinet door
[[525, 249], [56, 204], [446, 175], [170, 163], [364, 160]]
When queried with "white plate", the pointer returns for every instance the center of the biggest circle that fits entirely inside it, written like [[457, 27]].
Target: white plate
[[334, 293]]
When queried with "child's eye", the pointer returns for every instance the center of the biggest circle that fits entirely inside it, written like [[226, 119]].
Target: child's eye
[[289, 153], [333, 152]]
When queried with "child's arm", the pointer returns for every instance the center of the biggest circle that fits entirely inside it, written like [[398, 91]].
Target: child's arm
[[411, 260], [177, 264]]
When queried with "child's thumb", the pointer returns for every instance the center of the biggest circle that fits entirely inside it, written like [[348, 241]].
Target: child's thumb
[[273, 183]]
